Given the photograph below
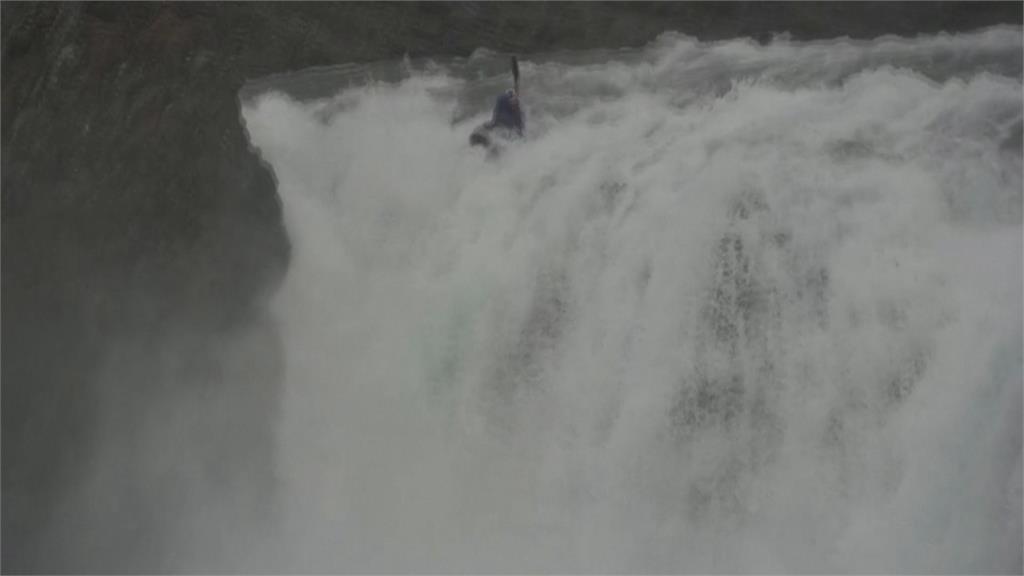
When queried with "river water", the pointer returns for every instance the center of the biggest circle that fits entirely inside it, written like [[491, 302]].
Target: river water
[[728, 307]]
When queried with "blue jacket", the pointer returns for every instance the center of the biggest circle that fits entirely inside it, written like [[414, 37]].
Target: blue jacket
[[508, 113]]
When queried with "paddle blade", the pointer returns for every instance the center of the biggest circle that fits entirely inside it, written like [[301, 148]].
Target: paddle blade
[[515, 73]]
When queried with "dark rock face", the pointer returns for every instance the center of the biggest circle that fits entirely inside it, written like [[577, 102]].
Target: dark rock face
[[138, 225]]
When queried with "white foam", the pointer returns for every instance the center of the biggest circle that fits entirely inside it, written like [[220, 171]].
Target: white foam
[[770, 324]]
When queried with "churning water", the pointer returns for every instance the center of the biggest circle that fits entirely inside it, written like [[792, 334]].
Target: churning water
[[728, 307]]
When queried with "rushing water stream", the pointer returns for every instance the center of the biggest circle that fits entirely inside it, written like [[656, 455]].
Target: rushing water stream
[[728, 307]]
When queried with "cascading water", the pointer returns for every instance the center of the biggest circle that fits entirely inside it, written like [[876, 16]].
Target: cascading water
[[729, 307]]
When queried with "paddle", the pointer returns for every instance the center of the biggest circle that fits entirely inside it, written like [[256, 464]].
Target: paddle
[[515, 73]]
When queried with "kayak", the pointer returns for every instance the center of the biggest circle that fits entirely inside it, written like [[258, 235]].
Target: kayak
[[492, 138]]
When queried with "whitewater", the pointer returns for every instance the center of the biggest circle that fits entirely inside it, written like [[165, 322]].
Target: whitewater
[[729, 307]]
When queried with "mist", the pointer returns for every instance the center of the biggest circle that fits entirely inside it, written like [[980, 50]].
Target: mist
[[728, 308]]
